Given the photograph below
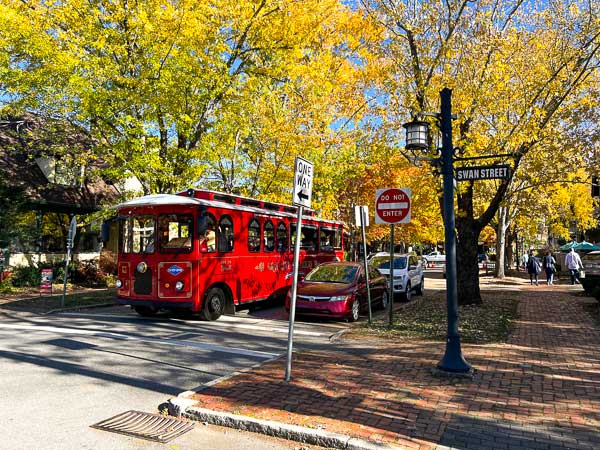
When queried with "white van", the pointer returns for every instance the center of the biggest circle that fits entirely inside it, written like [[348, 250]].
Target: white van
[[408, 273]]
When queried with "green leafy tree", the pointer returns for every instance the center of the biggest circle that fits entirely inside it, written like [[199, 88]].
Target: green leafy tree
[[517, 71]]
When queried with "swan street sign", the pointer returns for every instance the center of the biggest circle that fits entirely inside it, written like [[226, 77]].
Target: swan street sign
[[482, 172]]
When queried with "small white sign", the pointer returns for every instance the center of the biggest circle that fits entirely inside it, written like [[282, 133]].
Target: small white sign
[[357, 215], [303, 182]]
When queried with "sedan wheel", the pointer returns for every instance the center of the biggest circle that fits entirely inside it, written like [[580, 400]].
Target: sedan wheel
[[355, 310], [384, 300]]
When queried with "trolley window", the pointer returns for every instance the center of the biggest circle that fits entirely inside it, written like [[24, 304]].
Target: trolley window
[[269, 232], [308, 236], [137, 234], [282, 238], [330, 239], [254, 236], [225, 234], [175, 233], [207, 224]]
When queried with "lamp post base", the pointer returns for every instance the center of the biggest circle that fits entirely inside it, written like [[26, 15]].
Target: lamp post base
[[453, 362]]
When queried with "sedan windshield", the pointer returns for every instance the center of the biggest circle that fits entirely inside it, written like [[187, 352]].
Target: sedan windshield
[[333, 273], [383, 262]]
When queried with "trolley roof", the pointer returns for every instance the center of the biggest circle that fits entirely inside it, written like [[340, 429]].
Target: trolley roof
[[171, 199]]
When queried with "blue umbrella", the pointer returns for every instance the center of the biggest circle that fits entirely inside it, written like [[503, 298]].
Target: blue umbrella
[[586, 246], [568, 246]]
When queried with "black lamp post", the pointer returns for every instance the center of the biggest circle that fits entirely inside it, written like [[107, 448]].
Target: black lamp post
[[417, 140]]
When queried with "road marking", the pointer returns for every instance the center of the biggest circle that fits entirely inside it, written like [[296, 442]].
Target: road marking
[[224, 324], [126, 337]]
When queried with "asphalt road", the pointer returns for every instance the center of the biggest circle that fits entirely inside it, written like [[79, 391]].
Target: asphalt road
[[65, 372]]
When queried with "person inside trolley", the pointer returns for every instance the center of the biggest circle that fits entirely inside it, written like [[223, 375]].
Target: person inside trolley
[[207, 244]]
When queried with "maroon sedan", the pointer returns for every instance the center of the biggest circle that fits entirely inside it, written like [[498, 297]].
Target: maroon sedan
[[338, 289]]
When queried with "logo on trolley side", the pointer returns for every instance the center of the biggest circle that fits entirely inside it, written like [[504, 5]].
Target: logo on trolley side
[[175, 270]]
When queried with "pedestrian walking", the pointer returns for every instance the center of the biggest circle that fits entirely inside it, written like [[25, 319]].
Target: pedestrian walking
[[524, 260], [549, 264], [533, 268], [573, 263]]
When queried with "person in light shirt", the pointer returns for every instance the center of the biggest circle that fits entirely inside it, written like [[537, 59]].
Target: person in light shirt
[[573, 263]]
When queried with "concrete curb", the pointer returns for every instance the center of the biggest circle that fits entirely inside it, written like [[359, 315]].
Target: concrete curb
[[285, 431]]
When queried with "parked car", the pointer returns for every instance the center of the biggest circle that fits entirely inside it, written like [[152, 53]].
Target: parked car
[[339, 289], [408, 273], [591, 267], [434, 257]]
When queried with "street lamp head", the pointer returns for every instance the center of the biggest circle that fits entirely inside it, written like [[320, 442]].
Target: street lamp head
[[417, 135]]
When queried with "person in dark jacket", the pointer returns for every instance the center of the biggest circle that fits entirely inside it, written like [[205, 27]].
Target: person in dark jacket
[[533, 268], [549, 264]]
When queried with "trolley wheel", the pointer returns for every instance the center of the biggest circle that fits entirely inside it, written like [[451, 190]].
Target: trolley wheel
[[145, 311], [214, 304]]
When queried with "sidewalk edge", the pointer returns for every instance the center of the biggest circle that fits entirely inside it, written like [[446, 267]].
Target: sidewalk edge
[[282, 430]]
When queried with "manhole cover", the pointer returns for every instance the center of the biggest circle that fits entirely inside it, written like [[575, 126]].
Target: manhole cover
[[146, 426]]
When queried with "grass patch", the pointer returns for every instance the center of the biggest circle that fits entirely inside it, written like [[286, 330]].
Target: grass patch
[[35, 303], [426, 318]]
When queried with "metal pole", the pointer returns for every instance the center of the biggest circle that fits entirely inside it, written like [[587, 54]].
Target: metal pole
[[62, 299], [453, 360], [288, 367], [364, 242], [391, 287]]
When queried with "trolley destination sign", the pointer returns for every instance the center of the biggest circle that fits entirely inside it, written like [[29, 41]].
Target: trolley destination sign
[[501, 171]]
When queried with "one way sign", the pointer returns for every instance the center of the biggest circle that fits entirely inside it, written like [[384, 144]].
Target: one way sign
[[303, 180]]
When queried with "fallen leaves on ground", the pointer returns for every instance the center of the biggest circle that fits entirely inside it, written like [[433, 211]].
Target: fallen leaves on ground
[[426, 318]]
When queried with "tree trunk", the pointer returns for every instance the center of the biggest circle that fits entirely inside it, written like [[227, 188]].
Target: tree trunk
[[510, 255], [501, 241], [467, 278]]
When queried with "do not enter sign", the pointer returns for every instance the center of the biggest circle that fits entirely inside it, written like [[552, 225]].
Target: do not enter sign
[[392, 205]]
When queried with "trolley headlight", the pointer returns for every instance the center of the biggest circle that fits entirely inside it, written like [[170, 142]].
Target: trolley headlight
[[142, 267], [118, 284], [179, 286]]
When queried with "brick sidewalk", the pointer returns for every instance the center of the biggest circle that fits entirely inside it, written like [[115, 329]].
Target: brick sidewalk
[[541, 390]]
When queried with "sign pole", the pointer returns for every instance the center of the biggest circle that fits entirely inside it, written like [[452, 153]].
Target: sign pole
[[301, 197], [391, 302], [70, 239], [364, 240], [288, 367]]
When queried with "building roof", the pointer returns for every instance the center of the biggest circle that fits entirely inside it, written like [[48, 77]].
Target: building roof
[[32, 152]]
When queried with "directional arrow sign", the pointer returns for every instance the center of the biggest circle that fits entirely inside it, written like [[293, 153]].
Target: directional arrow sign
[[303, 181]]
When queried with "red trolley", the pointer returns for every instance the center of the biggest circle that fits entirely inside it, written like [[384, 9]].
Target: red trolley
[[208, 252]]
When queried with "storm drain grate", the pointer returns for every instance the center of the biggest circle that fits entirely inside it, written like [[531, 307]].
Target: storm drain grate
[[146, 426]]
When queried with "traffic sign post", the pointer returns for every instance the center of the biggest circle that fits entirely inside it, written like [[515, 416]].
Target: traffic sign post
[[362, 220], [70, 240], [392, 206], [302, 196]]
